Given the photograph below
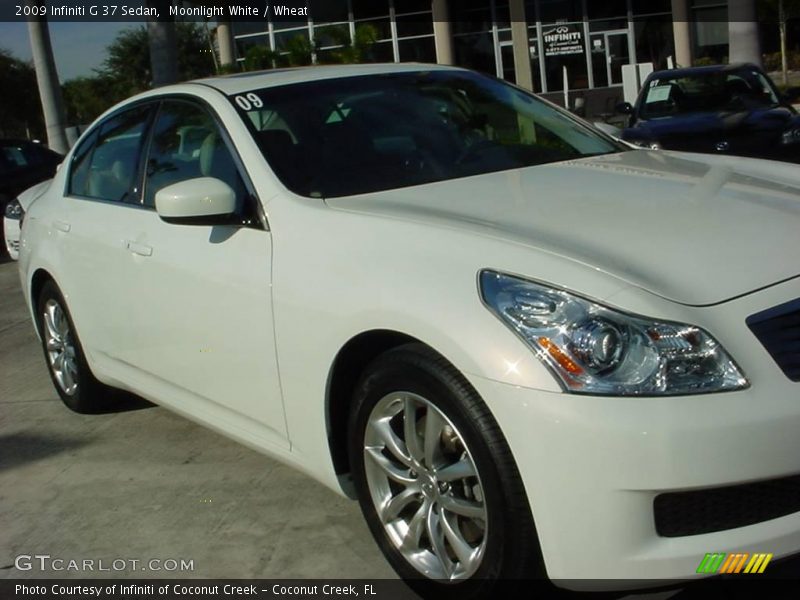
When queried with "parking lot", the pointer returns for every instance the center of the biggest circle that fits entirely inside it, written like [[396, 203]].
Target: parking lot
[[145, 484]]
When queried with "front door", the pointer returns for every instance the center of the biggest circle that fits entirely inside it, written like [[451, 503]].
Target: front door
[[203, 302]]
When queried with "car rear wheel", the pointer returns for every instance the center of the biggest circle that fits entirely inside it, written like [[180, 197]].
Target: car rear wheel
[[66, 362], [436, 481]]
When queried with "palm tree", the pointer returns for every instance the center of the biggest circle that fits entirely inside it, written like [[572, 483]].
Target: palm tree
[[47, 79], [163, 46]]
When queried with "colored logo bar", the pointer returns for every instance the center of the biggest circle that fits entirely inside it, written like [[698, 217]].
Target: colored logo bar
[[736, 562]]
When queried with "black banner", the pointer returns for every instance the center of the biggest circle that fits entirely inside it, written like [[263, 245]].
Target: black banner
[[738, 587], [277, 11]]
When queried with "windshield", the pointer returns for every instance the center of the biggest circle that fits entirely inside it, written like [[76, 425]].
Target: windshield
[[720, 91], [362, 134]]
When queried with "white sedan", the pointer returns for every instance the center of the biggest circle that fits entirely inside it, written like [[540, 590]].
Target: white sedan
[[527, 349]]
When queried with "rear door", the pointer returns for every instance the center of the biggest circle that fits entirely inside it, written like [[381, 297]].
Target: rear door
[[101, 203]]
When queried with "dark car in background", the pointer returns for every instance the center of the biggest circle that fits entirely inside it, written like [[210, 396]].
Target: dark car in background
[[722, 109], [22, 165]]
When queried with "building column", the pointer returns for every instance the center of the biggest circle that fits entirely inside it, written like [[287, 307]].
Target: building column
[[521, 44], [225, 42], [442, 34], [681, 33], [744, 43]]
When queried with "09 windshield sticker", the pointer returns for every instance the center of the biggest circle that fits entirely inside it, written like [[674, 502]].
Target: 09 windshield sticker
[[248, 101]]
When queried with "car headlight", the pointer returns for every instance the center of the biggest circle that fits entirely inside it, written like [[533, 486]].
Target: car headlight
[[792, 136], [14, 210], [593, 349]]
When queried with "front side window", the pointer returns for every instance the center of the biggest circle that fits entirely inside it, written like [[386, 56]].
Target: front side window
[[106, 164], [369, 133], [187, 144]]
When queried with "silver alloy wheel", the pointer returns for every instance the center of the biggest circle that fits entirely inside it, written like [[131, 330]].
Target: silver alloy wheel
[[60, 344], [425, 488]]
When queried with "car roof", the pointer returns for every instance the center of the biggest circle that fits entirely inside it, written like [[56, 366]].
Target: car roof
[[245, 82], [690, 71]]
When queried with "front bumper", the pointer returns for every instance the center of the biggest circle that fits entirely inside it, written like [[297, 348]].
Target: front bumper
[[593, 466]]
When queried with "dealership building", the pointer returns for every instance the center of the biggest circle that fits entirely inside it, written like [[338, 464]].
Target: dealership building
[[538, 44]]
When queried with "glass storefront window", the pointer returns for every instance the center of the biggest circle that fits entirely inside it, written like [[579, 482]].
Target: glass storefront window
[[606, 9], [417, 50], [502, 14], [476, 51], [296, 45], [470, 16], [651, 7], [331, 36], [382, 27], [325, 11], [608, 25], [411, 25], [588, 37], [382, 52], [710, 30], [367, 9], [408, 6], [558, 11], [654, 41]]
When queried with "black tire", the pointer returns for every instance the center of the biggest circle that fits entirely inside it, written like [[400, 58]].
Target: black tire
[[511, 554], [89, 395]]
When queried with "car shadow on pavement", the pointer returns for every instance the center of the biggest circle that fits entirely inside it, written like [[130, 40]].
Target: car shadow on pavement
[[17, 449]]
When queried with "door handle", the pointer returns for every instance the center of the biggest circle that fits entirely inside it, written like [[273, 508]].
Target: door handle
[[62, 226], [139, 249]]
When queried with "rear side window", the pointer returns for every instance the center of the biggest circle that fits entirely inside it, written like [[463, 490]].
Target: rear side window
[[106, 164]]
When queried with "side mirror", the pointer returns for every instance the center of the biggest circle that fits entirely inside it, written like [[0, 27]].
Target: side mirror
[[624, 108], [200, 201]]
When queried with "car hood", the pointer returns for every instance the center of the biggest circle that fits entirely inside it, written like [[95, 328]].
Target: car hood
[[694, 229], [757, 128]]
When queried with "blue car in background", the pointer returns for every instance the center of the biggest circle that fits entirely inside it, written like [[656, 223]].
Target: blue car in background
[[722, 109]]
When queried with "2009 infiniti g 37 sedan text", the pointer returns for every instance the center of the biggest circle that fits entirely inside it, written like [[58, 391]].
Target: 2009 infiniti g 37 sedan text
[[526, 349]]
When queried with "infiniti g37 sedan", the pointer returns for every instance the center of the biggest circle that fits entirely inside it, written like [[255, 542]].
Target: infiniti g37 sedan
[[527, 350]]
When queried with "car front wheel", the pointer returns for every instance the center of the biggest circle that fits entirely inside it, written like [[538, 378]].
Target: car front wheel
[[436, 481]]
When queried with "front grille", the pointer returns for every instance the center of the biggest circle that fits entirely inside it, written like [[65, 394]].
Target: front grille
[[681, 514], [778, 329]]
